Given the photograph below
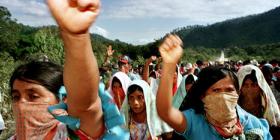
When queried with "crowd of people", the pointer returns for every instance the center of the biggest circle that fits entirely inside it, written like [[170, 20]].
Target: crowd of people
[[159, 100]]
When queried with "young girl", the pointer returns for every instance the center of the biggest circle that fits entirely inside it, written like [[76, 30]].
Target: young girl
[[140, 112], [118, 87]]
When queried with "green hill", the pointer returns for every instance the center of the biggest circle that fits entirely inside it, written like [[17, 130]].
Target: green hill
[[251, 30]]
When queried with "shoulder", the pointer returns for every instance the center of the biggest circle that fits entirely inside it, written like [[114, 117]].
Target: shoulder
[[252, 125], [249, 121]]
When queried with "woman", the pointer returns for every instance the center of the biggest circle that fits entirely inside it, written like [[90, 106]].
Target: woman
[[118, 87], [256, 96], [213, 102], [140, 112], [35, 86]]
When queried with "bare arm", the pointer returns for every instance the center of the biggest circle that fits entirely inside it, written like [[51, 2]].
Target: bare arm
[[146, 70], [171, 51], [81, 75], [108, 55]]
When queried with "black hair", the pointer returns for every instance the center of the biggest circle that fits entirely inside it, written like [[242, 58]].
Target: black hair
[[199, 62], [115, 79], [206, 78], [267, 73], [47, 74], [133, 88], [189, 79], [251, 76]]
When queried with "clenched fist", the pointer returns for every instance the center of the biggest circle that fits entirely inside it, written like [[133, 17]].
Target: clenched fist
[[171, 49], [74, 16]]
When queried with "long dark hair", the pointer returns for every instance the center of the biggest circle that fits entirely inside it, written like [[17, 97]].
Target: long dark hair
[[206, 78], [47, 74]]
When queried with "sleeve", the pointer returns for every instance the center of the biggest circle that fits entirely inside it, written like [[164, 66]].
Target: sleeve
[[189, 120], [255, 126]]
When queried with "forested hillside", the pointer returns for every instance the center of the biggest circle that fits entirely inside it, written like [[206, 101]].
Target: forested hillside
[[241, 32]]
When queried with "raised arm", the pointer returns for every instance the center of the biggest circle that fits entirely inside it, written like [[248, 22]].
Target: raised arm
[[146, 70], [108, 55], [171, 51], [81, 75]]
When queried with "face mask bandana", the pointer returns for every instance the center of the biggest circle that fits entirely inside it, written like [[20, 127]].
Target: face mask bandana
[[221, 113], [33, 121], [119, 96]]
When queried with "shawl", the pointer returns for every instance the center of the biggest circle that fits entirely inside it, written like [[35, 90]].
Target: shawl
[[271, 109]]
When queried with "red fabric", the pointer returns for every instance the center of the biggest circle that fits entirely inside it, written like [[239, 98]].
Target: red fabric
[[174, 88], [81, 135], [238, 131], [119, 96]]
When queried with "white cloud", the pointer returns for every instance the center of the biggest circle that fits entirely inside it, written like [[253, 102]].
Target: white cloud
[[163, 15], [30, 12], [100, 31], [142, 41], [196, 10]]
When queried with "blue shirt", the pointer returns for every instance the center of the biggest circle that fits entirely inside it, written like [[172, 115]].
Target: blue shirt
[[199, 129]]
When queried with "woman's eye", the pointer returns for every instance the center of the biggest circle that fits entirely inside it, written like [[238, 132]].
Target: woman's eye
[[140, 97], [15, 98], [215, 90], [33, 96]]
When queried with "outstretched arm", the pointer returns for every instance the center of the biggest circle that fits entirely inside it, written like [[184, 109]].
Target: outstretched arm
[[81, 75], [171, 51], [108, 55], [146, 70]]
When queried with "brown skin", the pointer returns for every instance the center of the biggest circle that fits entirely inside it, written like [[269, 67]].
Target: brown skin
[[118, 90], [137, 105], [171, 51], [250, 98], [81, 75], [223, 85], [23, 91]]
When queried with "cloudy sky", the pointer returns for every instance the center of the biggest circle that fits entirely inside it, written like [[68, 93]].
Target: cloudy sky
[[142, 21]]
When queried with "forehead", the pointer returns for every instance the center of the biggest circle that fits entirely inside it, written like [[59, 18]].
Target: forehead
[[23, 87], [136, 93], [117, 83], [21, 84], [224, 83], [247, 81]]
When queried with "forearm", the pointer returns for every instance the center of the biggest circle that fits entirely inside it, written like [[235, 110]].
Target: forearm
[[107, 60], [81, 75], [146, 71], [172, 116], [164, 95]]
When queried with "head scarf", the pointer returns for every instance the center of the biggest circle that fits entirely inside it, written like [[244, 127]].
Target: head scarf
[[153, 121], [271, 109], [124, 79]]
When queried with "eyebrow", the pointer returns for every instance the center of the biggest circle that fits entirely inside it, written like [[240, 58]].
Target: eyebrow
[[14, 91]]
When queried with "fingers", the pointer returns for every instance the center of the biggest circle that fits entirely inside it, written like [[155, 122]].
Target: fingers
[[170, 42], [84, 5]]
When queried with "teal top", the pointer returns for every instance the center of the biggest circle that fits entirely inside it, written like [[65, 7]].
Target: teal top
[[114, 121], [199, 129]]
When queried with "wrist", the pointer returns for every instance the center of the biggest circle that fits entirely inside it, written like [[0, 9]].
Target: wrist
[[67, 34], [73, 38]]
